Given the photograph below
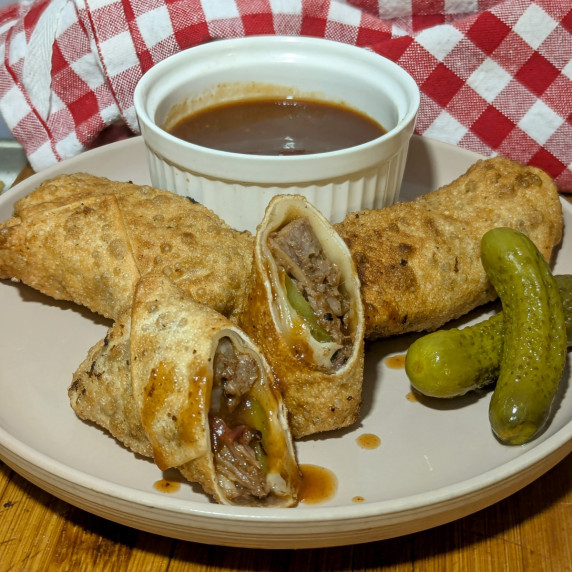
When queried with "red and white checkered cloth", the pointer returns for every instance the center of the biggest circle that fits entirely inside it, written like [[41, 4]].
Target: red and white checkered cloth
[[495, 76]]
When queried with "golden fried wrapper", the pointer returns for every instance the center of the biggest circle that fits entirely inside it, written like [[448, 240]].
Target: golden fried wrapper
[[101, 389], [79, 251], [88, 239], [419, 262], [179, 382], [304, 311]]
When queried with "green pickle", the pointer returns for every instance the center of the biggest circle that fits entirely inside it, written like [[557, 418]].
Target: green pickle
[[523, 347], [449, 363], [534, 350], [564, 283]]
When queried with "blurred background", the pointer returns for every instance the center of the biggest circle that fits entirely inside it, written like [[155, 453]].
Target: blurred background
[[13, 164], [4, 131]]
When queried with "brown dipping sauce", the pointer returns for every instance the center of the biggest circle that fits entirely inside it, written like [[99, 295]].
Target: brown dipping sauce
[[277, 127]]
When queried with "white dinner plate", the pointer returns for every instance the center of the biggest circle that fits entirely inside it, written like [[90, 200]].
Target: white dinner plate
[[436, 461]]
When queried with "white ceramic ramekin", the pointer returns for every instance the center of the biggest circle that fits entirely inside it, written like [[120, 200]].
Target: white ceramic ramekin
[[237, 186]]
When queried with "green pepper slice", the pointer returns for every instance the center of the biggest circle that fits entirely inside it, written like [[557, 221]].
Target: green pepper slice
[[251, 413], [303, 308]]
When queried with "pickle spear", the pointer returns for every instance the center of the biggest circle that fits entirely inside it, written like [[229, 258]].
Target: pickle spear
[[534, 349]]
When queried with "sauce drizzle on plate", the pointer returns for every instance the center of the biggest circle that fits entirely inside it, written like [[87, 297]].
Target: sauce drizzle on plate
[[318, 484]]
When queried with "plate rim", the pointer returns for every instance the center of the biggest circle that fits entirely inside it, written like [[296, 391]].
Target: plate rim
[[15, 452], [561, 441]]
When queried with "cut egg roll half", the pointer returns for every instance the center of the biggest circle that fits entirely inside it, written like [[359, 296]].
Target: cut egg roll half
[[304, 311], [194, 393]]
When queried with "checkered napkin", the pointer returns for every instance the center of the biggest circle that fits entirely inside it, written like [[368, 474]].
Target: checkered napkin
[[495, 76]]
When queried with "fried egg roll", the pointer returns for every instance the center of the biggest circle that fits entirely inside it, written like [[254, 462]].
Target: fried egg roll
[[419, 262], [88, 240], [176, 381], [304, 311]]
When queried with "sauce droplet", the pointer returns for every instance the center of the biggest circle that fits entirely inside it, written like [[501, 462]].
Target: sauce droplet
[[358, 499], [167, 486], [368, 441], [411, 396], [318, 484], [396, 362]]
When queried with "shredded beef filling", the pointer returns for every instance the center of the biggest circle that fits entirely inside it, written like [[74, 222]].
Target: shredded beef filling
[[297, 250], [235, 372], [238, 470]]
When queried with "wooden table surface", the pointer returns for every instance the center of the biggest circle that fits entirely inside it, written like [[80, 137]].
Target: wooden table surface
[[530, 530]]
